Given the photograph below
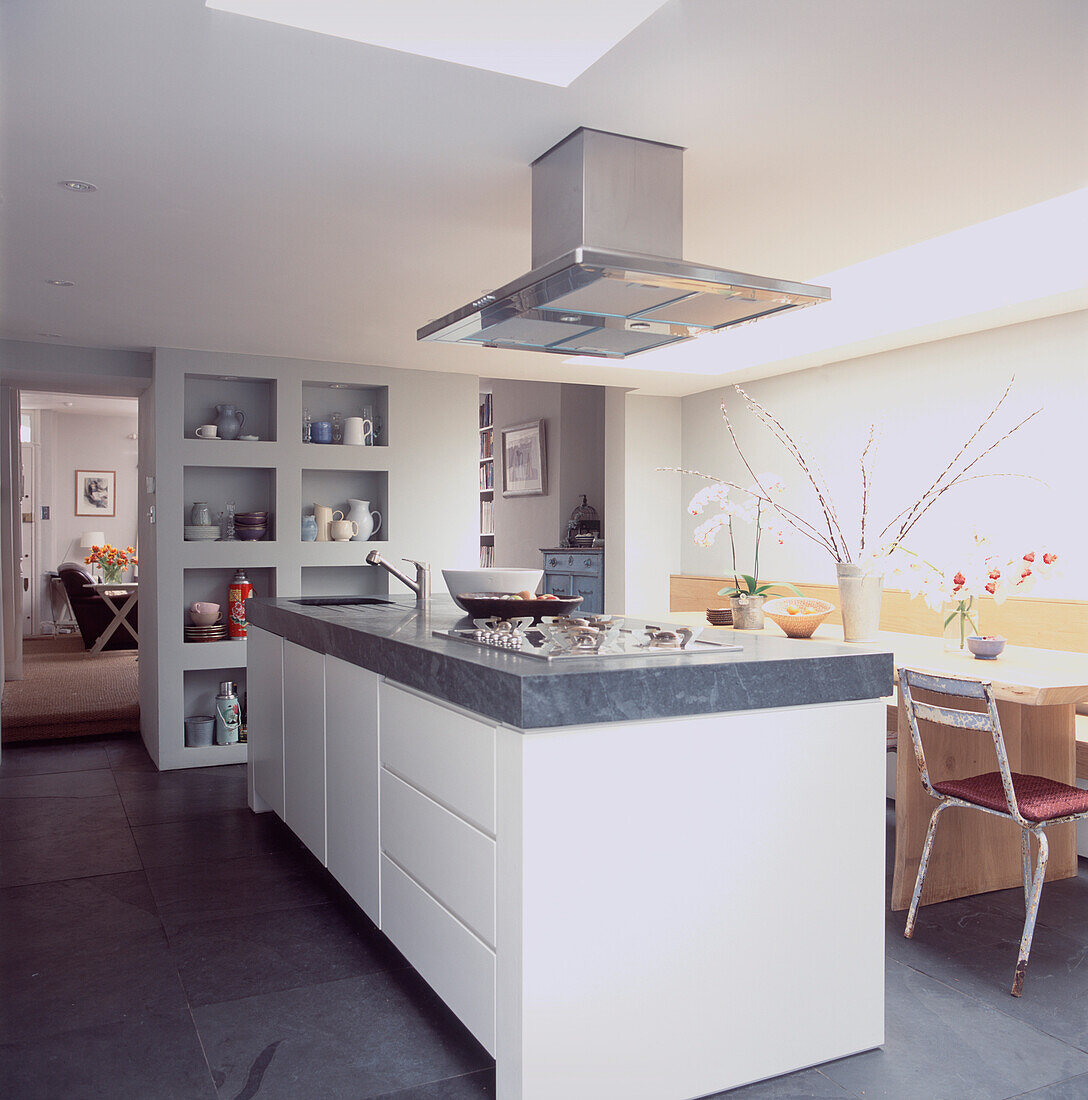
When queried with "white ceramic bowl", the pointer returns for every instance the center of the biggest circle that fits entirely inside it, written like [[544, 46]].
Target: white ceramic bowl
[[492, 580]]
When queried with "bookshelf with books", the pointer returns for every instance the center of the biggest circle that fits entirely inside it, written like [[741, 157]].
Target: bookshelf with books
[[487, 482]]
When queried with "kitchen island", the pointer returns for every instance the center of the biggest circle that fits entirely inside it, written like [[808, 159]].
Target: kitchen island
[[653, 877]]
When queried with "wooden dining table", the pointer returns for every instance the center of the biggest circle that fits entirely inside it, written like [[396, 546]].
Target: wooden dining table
[[1037, 691], [130, 591]]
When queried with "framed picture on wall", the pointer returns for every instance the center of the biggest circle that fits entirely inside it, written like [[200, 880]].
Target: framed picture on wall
[[524, 461], [95, 492]]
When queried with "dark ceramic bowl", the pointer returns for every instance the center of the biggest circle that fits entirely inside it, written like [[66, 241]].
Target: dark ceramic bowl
[[485, 605], [251, 534], [253, 519]]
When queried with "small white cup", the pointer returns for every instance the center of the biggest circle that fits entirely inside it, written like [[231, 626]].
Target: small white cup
[[207, 431]]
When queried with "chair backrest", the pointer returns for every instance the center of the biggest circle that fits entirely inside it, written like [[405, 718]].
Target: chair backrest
[[986, 721], [77, 581]]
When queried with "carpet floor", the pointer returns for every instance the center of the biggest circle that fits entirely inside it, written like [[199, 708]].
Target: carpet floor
[[67, 692]]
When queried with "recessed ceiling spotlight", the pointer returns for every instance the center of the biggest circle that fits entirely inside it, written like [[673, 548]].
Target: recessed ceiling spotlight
[[51, 335], [59, 282], [337, 386], [77, 185], [68, 404]]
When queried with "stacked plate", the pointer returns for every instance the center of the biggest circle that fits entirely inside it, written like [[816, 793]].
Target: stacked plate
[[251, 526], [201, 533], [719, 616], [216, 633]]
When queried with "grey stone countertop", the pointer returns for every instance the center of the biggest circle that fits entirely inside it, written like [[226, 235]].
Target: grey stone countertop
[[396, 641]]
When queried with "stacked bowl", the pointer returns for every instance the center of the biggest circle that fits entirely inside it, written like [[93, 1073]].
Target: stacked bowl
[[251, 526]]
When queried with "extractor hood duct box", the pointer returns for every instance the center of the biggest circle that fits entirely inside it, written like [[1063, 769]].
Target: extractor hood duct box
[[607, 228]]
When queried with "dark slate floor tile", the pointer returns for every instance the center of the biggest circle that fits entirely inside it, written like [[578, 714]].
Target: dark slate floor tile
[[469, 1086], [1076, 1088], [227, 835], [236, 888], [82, 952], [129, 754], [809, 1084], [224, 960], [37, 758], [59, 784], [1063, 906], [947, 928], [52, 817], [154, 1058], [1055, 998], [944, 1045], [67, 853], [176, 795], [360, 1037]]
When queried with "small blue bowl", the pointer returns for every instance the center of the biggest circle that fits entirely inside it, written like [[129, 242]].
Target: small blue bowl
[[986, 649]]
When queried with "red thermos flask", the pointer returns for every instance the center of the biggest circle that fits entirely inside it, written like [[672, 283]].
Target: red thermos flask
[[240, 590]]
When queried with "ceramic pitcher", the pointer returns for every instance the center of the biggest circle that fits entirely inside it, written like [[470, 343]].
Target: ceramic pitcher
[[323, 515], [229, 420], [359, 511]]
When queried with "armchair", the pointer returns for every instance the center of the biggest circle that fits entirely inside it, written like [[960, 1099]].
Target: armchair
[[92, 614]]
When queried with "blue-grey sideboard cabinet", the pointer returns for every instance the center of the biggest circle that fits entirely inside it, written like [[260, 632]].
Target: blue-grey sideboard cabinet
[[576, 571]]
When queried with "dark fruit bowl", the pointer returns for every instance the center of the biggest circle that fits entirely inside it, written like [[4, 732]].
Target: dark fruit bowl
[[487, 605], [250, 534]]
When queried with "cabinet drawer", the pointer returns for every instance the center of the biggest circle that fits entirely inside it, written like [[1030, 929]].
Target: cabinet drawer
[[456, 965], [442, 752], [592, 593], [558, 584], [453, 860], [585, 564]]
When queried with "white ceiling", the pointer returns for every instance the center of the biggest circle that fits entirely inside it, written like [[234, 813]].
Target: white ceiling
[[270, 190]]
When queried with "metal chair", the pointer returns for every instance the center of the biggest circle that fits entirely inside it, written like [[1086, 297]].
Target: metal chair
[[1031, 801]]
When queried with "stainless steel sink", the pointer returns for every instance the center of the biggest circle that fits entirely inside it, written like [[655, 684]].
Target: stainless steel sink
[[340, 601]]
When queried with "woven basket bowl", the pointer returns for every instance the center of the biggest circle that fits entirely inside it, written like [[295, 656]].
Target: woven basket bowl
[[811, 613]]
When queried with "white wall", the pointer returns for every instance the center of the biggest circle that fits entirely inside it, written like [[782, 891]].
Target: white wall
[[642, 537], [74, 441], [926, 400]]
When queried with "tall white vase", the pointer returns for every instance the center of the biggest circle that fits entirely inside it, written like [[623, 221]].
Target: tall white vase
[[859, 598], [360, 512]]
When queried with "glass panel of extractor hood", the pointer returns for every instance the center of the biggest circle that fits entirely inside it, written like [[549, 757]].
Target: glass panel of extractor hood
[[718, 310], [530, 331], [606, 296], [616, 342]]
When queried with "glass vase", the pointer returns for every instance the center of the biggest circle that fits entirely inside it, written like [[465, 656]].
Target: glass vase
[[111, 574], [960, 622]]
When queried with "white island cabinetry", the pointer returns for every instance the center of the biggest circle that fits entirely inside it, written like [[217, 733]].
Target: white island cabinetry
[[656, 908]]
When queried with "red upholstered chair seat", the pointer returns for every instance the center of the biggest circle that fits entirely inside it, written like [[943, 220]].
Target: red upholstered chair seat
[[1039, 799]]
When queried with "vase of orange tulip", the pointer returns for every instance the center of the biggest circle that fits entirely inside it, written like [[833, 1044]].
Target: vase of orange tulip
[[111, 561]]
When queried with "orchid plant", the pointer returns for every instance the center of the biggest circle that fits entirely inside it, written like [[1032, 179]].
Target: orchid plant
[[749, 509], [955, 589]]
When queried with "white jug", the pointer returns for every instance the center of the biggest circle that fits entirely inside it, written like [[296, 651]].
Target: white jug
[[358, 432], [359, 512]]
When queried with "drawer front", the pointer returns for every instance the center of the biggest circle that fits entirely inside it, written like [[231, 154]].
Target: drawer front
[[559, 584], [584, 564], [452, 860], [456, 965], [445, 754], [592, 592]]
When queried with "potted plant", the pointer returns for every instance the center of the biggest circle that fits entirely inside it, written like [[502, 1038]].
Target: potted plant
[[746, 594]]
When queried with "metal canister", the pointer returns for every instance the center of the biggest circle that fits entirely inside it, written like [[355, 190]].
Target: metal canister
[[228, 714], [240, 590]]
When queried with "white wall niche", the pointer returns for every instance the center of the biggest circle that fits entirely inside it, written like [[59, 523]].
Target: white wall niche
[[336, 487], [322, 399], [256, 397], [252, 489]]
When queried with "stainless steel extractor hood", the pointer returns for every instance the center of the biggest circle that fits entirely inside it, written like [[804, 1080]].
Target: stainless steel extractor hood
[[606, 280]]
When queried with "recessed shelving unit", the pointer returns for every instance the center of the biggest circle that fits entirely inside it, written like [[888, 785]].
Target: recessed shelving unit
[[343, 580], [414, 452], [336, 487], [251, 488], [255, 397], [322, 399], [487, 480]]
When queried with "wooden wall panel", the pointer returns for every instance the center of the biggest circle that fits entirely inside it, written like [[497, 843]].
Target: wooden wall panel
[[1042, 624]]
